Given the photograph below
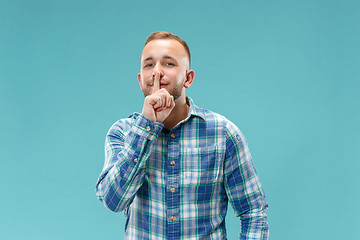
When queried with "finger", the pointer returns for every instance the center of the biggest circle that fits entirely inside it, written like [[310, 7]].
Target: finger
[[166, 98], [158, 102], [157, 82], [169, 100], [172, 102]]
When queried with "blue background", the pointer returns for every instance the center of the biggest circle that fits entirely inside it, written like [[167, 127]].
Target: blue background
[[286, 72]]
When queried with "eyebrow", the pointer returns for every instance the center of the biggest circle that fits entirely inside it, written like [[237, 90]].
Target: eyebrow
[[147, 59], [165, 57], [169, 57]]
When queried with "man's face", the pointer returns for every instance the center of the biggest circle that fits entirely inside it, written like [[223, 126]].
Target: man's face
[[168, 58]]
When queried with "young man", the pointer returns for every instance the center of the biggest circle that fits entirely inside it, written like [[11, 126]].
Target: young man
[[173, 168]]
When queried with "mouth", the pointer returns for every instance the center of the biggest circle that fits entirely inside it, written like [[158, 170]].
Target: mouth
[[162, 85]]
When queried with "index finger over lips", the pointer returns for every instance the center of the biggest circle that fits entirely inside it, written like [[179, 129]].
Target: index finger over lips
[[156, 82]]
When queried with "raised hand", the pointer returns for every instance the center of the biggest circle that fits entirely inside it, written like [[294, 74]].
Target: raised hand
[[159, 104]]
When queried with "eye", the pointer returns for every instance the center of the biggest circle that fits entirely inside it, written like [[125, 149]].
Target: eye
[[148, 65], [169, 64]]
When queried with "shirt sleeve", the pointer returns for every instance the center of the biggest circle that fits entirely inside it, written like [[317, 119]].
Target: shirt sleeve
[[243, 187], [127, 148]]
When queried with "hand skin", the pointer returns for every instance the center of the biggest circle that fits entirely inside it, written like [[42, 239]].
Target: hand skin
[[159, 104]]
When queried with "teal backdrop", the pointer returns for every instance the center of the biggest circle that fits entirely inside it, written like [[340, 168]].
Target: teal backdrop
[[286, 72]]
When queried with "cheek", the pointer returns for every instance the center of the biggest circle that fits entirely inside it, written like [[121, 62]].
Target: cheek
[[146, 77], [174, 74]]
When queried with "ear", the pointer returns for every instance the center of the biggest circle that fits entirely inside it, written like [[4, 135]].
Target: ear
[[139, 79], [190, 75]]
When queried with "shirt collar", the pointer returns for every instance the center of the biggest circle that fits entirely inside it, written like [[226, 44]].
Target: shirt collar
[[194, 110]]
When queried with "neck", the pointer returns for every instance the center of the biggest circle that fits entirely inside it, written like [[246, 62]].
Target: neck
[[178, 114]]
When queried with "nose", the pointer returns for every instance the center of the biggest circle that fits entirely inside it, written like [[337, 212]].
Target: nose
[[158, 70]]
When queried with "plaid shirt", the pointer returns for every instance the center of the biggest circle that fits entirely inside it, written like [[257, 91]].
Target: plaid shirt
[[176, 184]]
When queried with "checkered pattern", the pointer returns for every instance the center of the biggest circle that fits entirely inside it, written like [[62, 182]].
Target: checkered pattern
[[177, 184]]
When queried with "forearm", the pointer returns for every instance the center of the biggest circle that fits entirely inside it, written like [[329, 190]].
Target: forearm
[[118, 185], [254, 224], [124, 168]]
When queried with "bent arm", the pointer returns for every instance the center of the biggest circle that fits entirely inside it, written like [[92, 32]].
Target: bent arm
[[243, 187], [127, 148]]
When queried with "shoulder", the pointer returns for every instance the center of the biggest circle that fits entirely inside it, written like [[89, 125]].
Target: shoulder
[[228, 128], [220, 120]]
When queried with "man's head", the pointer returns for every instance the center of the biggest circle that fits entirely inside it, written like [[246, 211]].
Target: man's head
[[167, 56], [167, 35]]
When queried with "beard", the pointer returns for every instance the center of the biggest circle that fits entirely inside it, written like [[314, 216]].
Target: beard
[[176, 92]]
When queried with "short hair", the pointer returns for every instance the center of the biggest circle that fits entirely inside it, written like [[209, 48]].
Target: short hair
[[168, 35]]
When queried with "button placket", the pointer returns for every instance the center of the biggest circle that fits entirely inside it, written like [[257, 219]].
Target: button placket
[[172, 181]]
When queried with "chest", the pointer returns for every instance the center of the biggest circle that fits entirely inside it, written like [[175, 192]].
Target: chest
[[188, 156]]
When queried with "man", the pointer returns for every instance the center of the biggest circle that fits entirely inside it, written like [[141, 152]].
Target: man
[[173, 168]]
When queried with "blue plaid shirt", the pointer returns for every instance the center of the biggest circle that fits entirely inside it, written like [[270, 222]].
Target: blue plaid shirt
[[176, 184]]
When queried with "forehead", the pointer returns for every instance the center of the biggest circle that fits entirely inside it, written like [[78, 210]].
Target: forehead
[[160, 47]]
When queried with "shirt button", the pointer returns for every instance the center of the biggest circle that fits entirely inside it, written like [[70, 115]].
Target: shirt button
[[172, 190], [172, 135], [172, 162], [148, 128], [136, 160], [173, 218]]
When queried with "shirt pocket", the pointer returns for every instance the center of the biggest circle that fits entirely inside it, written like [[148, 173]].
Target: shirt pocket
[[201, 165]]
